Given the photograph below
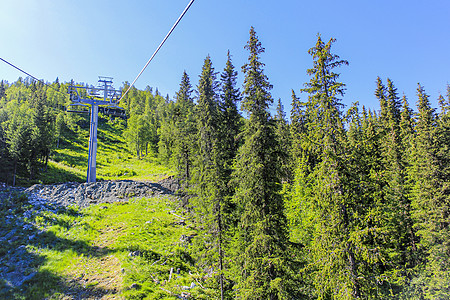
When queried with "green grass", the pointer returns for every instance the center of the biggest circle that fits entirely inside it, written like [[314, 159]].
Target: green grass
[[118, 251], [114, 161]]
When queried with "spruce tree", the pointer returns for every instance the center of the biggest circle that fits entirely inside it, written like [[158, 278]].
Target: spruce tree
[[229, 127], [42, 134], [380, 93], [324, 192], [406, 126], [367, 186], [184, 129], [394, 103], [430, 198], [230, 119], [397, 190], [206, 184], [17, 132], [262, 233], [393, 205]]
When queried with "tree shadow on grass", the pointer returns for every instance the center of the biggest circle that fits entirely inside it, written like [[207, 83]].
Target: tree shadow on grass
[[58, 175], [105, 146], [24, 265], [71, 160], [47, 285], [24, 278]]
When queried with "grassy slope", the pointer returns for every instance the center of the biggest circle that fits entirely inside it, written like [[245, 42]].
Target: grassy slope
[[108, 251], [114, 161]]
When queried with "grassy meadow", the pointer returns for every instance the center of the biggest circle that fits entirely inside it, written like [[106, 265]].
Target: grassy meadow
[[114, 161], [133, 250]]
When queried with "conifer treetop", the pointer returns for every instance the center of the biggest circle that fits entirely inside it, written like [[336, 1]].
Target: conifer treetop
[[324, 81], [257, 97]]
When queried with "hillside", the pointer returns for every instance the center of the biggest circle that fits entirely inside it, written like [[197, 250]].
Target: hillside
[[335, 204], [114, 161], [118, 247], [122, 237], [104, 240]]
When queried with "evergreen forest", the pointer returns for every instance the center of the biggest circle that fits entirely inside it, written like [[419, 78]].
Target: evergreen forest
[[335, 203]]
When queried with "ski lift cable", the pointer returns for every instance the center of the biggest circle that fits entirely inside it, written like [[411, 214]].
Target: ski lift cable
[[42, 81], [28, 74], [33, 77], [159, 47], [140, 73]]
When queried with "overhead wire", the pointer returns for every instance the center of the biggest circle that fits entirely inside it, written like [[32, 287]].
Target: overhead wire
[[28, 74], [140, 73], [159, 47]]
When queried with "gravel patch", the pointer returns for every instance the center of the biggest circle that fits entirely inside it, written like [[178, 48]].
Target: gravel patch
[[85, 194]]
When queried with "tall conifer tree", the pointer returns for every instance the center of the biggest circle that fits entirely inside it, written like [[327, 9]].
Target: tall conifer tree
[[262, 232], [184, 129], [230, 119], [325, 197], [406, 126], [380, 93], [393, 205], [430, 196], [207, 202], [397, 190]]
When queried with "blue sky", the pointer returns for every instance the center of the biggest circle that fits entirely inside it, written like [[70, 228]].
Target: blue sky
[[407, 41]]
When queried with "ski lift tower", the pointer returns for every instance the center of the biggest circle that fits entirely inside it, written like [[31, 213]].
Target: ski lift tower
[[104, 95]]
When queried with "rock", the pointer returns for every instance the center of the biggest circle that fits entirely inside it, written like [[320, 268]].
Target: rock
[[170, 183], [134, 286], [186, 238], [13, 239], [134, 253], [10, 234], [184, 296], [28, 277]]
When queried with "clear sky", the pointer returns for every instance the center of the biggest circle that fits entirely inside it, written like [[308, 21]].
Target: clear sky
[[407, 41]]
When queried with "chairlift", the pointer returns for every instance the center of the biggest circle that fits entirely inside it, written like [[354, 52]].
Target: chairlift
[[113, 110], [78, 108]]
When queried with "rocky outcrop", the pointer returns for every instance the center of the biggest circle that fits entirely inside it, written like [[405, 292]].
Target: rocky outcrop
[[85, 194]]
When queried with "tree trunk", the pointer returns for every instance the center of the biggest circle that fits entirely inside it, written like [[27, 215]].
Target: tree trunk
[[351, 257], [187, 171], [47, 155], [219, 221], [15, 170]]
